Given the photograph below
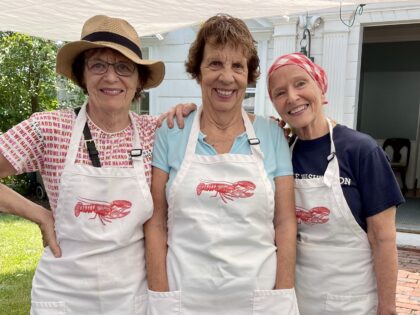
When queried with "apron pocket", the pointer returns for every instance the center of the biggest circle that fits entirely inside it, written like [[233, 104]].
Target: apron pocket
[[164, 303], [48, 308], [351, 304], [275, 302], [140, 304]]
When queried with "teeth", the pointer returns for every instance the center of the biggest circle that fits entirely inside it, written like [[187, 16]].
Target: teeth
[[224, 92], [111, 91], [297, 109]]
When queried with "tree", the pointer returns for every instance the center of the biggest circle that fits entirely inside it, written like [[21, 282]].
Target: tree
[[28, 83], [28, 79]]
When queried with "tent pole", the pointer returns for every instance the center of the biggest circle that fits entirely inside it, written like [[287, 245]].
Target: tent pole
[[416, 156]]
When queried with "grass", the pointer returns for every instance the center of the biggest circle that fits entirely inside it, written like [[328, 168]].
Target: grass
[[20, 251]]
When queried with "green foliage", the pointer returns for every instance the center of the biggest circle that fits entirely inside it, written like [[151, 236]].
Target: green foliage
[[28, 80], [21, 249], [27, 77], [70, 94], [28, 84], [20, 183]]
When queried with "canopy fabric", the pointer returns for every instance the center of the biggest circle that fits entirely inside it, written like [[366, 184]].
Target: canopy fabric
[[63, 19]]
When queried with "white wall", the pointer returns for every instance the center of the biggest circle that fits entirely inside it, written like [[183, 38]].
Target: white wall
[[177, 87], [335, 46]]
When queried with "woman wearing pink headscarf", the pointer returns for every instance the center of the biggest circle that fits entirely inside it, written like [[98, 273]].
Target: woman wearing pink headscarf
[[346, 198]]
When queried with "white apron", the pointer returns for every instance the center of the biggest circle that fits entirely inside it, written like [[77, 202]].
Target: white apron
[[99, 226], [221, 253], [334, 272]]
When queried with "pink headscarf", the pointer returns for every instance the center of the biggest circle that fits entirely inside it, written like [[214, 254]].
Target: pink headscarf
[[316, 72]]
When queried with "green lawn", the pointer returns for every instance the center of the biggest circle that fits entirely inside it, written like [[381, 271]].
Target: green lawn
[[20, 250]]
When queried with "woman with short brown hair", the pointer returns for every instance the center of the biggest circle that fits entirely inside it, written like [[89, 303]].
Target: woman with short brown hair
[[223, 234]]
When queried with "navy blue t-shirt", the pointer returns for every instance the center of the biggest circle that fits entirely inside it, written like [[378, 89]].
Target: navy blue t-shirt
[[366, 177]]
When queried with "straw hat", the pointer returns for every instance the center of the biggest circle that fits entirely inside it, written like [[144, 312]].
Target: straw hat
[[102, 31]]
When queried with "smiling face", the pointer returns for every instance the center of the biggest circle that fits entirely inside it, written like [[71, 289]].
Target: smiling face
[[298, 100], [223, 78], [109, 91]]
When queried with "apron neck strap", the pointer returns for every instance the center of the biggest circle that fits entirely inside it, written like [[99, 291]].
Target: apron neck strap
[[137, 146], [332, 172], [76, 134], [253, 141], [330, 128], [332, 146], [90, 144], [79, 129], [249, 129]]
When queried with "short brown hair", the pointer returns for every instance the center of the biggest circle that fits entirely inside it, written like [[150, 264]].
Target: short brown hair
[[222, 30], [79, 65]]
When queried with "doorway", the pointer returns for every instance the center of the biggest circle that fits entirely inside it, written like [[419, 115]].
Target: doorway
[[389, 93], [389, 102]]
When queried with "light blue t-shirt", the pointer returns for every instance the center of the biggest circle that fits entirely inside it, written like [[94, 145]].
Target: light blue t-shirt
[[170, 146]]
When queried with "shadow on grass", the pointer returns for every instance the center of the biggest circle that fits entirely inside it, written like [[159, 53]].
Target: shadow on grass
[[6, 218], [15, 292]]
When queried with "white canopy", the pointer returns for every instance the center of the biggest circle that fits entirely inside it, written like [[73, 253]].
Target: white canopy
[[63, 19]]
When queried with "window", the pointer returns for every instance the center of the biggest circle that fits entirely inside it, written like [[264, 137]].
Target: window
[[141, 106], [249, 101]]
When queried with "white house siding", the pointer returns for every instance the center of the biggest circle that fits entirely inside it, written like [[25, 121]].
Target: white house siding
[[330, 46], [177, 86], [264, 45], [284, 41], [334, 46]]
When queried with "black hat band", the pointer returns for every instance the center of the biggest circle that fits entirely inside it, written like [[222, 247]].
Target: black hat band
[[114, 38]]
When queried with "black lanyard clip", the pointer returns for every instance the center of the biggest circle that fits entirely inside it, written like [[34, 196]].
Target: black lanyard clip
[[136, 152]]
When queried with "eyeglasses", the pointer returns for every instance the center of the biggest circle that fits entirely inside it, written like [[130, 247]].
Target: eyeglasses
[[122, 68]]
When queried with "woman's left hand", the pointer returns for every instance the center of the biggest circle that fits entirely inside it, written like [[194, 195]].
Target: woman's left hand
[[179, 112]]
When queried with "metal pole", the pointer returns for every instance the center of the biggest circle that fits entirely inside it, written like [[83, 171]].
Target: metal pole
[[416, 156]]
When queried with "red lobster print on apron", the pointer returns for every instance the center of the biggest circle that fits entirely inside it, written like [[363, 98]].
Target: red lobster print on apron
[[104, 211], [221, 253], [227, 191], [99, 226], [334, 268]]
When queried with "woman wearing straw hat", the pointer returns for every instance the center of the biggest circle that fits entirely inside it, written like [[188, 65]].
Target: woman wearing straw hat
[[96, 168]]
